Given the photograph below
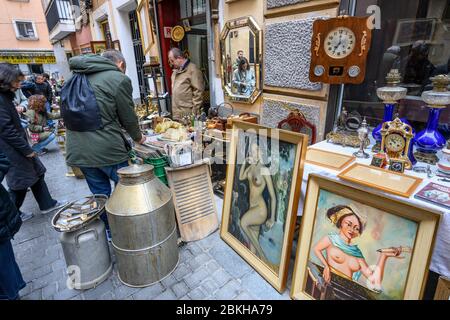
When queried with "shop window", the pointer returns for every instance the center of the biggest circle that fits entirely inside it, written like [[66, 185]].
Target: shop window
[[414, 38], [189, 8], [106, 33], [36, 68], [25, 30]]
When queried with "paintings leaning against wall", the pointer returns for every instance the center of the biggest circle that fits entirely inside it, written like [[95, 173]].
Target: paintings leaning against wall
[[361, 246], [261, 197]]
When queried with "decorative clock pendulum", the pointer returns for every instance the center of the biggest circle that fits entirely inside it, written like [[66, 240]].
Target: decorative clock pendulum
[[430, 140]]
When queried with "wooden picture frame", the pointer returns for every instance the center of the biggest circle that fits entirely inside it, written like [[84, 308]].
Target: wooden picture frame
[[266, 246], [382, 179], [328, 159], [442, 289], [98, 47], [396, 236], [410, 30], [145, 27], [116, 45], [301, 7]]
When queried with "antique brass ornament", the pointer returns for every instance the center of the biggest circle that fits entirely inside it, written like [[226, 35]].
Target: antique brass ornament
[[363, 133], [396, 141], [317, 44], [346, 130], [363, 43]]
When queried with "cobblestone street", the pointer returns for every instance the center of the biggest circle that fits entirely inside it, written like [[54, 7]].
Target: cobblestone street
[[208, 269]]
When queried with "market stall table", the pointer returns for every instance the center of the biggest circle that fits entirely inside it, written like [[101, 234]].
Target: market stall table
[[440, 262]]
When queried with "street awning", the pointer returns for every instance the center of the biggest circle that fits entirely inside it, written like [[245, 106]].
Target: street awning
[[26, 57]]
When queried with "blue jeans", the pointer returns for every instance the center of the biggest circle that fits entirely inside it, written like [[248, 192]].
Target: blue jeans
[[98, 180], [40, 145], [11, 280]]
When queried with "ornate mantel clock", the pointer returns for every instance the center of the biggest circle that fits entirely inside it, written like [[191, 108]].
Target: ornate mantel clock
[[396, 140], [339, 50]]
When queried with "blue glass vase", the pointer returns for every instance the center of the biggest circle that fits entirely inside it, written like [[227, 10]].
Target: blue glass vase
[[388, 114], [430, 140]]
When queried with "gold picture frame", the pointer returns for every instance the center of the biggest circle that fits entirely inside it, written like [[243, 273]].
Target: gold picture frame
[[442, 289], [301, 7], [385, 223], [388, 181], [328, 159], [98, 47], [264, 244], [145, 25]]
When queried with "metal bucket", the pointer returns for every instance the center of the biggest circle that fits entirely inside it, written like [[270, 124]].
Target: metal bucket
[[87, 256], [142, 221]]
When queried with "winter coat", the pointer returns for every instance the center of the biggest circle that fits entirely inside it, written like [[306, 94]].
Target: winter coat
[[20, 99], [113, 92], [10, 221], [24, 172], [28, 88], [37, 122], [45, 89], [187, 91]]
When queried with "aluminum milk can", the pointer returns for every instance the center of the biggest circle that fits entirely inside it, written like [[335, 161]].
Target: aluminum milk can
[[86, 252], [143, 229]]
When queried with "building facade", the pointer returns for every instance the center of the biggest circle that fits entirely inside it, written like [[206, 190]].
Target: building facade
[[24, 37]]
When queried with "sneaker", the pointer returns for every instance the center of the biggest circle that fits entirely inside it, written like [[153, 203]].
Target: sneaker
[[57, 206], [25, 216]]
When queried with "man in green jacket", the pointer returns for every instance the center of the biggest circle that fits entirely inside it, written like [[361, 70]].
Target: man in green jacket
[[100, 153]]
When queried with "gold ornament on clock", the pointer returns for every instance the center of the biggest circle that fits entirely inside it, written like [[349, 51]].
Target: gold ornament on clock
[[396, 140]]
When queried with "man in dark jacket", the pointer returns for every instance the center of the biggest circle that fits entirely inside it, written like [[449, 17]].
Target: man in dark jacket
[[100, 153], [26, 169], [11, 281], [44, 88]]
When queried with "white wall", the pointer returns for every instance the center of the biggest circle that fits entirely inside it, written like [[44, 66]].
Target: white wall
[[119, 27], [217, 82], [62, 65]]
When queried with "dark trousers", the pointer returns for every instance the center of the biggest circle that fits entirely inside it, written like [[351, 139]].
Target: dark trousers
[[11, 280], [98, 180], [40, 192]]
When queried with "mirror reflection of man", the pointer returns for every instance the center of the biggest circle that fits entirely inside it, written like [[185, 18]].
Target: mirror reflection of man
[[187, 85], [240, 55]]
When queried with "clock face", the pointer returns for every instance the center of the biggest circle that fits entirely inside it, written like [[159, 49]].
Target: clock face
[[339, 43], [395, 142]]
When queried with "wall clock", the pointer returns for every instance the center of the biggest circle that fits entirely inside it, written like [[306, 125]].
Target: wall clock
[[339, 50], [395, 141]]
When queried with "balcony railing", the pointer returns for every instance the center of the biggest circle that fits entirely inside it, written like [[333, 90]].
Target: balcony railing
[[59, 11]]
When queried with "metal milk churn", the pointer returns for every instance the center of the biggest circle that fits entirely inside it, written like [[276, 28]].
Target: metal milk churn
[[142, 221], [84, 244]]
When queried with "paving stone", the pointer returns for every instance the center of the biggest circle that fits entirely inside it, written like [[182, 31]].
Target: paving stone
[[37, 273], [181, 271], [221, 277], [203, 258], [107, 296], [194, 248], [101, 289], [244, 296], [185, 255], [212, 266], [259, 287], [66, 294], [25, 291], [194, 279], [209, 242], [209, 286], [197, 294], [34, 295], [123, 292], [180, 289], [169, 281], [186, 297], [49, 291], [59, 265], [149, 293], [229, 291], [78, 297], [46, 280], [166, 295], [230, 261]]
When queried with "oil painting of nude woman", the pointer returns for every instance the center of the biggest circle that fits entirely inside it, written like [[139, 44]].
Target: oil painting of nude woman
[[262, 188]]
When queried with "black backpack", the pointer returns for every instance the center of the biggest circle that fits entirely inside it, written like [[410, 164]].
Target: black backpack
[[79, 108]]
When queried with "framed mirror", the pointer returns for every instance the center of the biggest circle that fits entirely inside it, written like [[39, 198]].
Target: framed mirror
[[145, 25], [241, 54]]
